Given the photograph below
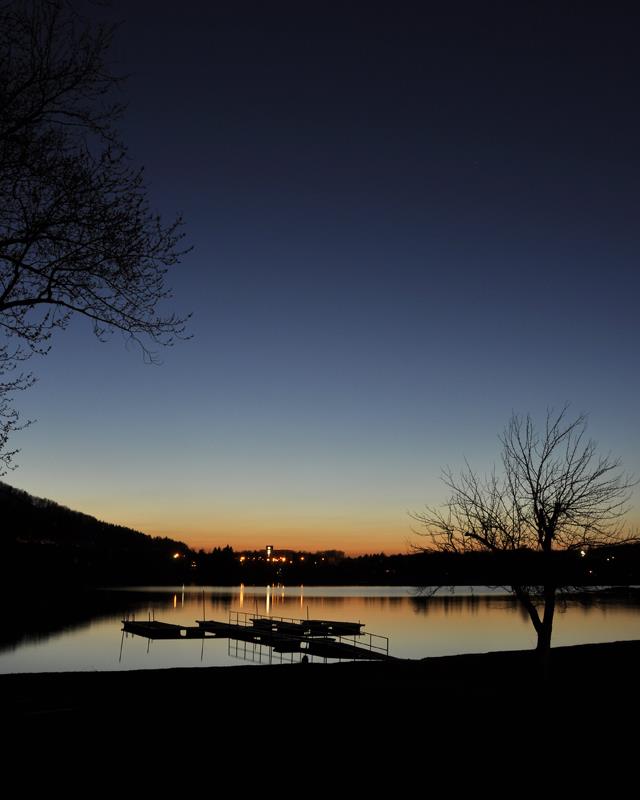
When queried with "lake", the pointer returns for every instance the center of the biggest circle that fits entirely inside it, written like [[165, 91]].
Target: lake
[[87, 635]]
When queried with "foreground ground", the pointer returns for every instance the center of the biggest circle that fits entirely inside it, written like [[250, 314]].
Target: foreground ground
[[469, 717], [598, 677]]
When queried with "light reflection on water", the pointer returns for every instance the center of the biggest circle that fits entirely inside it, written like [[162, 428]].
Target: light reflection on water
[[462, 621]]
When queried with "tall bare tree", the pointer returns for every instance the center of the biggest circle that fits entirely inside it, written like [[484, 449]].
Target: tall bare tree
[[77, 234], [554, 492]]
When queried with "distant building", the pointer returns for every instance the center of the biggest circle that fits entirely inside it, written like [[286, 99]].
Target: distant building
[[269, 550]]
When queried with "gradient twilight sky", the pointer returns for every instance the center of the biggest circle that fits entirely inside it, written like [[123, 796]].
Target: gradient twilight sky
[[406, 225]]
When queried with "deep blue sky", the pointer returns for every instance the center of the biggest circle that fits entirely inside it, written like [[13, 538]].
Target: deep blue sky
[[406, 225]]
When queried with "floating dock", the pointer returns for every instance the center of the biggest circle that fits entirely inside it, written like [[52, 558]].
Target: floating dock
[[152, 629], [311, 637]]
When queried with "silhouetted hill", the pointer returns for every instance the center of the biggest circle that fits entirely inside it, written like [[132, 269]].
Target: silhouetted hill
[[43, 541]]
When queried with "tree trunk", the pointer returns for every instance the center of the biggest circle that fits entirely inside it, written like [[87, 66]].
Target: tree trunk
[[544, 638], [545, 630]]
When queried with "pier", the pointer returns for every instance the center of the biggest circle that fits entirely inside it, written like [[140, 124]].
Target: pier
[[249, 633]]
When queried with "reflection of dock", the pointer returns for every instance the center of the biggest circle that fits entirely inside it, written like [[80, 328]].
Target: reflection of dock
[[249, 633]]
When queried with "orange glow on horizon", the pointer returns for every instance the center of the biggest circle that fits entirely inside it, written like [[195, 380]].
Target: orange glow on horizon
[[350, 546], [351, 531], [348, 528], [353, 538]]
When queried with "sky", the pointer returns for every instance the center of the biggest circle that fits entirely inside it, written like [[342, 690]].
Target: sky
[[408, 221]]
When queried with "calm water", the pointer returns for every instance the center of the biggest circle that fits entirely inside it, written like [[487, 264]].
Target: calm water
[[467, 620]]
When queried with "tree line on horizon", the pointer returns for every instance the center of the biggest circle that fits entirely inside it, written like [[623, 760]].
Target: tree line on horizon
[[47, 544]]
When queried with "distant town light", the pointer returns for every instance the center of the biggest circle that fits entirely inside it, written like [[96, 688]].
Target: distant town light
[[176, 555]]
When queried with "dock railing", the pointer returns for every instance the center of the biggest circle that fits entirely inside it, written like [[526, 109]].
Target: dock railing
[[378, 645]]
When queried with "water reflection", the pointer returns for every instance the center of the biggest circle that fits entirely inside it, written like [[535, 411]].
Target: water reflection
[[35, 618], [471, 603], [83, 631]]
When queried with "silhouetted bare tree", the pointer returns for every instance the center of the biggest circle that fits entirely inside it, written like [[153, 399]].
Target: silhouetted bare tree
[[77, 235], [553, 493]]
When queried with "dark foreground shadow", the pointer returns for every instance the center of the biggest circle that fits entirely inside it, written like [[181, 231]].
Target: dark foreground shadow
[[486, 721]]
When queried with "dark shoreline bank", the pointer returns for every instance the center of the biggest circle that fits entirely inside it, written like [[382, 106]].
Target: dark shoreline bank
[[487, 721], [598, 677]]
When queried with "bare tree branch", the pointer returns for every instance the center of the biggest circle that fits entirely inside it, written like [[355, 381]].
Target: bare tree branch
[[77, 233]]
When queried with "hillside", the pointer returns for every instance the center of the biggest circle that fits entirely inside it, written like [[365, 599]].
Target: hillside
[[43, 541]]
